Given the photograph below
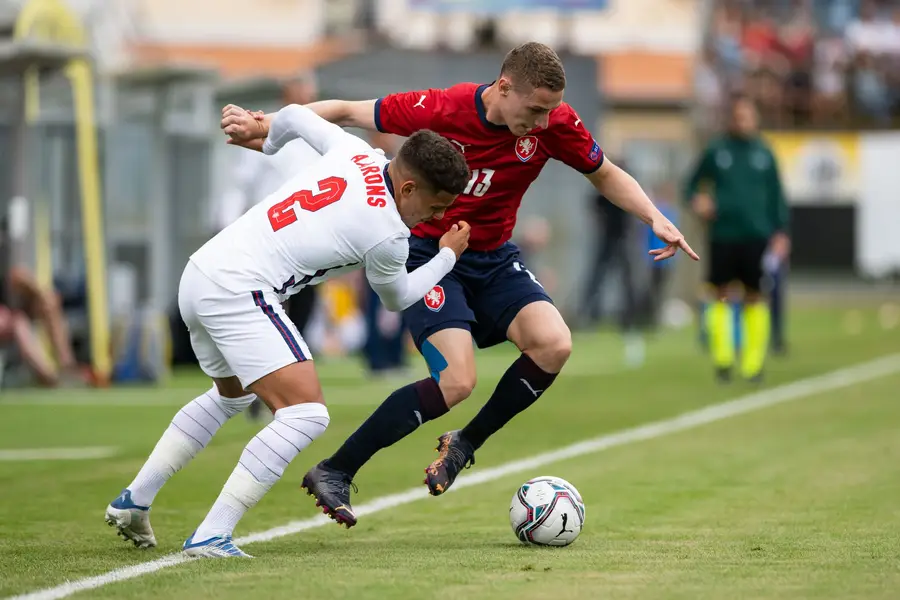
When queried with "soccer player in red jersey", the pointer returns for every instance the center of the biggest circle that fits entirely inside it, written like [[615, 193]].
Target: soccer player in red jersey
[[507, 130]]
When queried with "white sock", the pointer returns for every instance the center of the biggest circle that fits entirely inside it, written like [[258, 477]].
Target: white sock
[[262, 464], [188, 434]]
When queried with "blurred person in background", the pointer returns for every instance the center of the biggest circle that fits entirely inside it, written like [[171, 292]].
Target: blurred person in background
[[892, 59], [23, 303], [829, 76], [725, 41], [837, 14], [709, 93], [644, 279], [797, 46], [257, 175], [660, 272], [385, 348], [16, 332], [869, 32], [337, 326], [611, 226], [736, 189], [767, 70], [870, 88], [869, 40], [775, 275], [533, 237]]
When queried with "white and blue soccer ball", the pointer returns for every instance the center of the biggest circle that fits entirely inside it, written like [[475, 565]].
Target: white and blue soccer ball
[[547, 511]]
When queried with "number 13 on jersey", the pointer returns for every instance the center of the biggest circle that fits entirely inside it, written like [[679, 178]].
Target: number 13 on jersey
[[480, 182], [284, 213]]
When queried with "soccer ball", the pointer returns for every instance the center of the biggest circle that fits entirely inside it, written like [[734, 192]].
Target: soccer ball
[[547, 511]]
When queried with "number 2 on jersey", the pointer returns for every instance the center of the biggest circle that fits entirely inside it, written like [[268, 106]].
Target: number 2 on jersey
[[284, 213], [480, 182]]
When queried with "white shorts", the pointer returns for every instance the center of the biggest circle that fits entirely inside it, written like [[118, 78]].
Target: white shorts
[[248, 335]]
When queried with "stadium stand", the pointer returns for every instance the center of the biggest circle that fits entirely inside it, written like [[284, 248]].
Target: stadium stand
[[823, 63]]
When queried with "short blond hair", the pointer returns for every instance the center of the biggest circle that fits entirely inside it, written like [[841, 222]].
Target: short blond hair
[[536, 65]]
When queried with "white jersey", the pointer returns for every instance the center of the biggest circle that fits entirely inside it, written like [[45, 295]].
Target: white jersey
[[319, 224], [255, 176], [337, 214]]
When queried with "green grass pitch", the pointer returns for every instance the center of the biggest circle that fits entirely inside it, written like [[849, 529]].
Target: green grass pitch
[[799, 500]]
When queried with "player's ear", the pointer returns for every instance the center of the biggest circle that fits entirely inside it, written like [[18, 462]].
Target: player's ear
[[408, 188]]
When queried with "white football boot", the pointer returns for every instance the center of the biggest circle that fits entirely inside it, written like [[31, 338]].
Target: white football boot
[[215, 547], [131, 521]]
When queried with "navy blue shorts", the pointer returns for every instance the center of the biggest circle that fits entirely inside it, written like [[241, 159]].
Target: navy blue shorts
[[483, 293]]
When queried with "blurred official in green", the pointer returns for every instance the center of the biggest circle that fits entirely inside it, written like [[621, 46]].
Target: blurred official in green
[[736, 189]]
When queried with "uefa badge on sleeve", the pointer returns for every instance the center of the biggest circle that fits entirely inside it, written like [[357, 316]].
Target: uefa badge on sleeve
[[434, 299], [594, 154], [526, 146]]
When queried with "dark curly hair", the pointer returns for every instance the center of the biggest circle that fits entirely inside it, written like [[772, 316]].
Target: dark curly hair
[[434, 161]]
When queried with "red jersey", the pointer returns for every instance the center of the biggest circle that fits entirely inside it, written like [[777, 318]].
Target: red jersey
[[503, 165]]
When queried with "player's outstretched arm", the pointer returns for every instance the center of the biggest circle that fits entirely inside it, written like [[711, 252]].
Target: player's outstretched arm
[[299, 122], [626, 193], [346, 113], [270, 132], [400, 114], [386, 268]]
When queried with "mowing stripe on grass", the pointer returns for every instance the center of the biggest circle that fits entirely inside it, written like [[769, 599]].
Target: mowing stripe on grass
[[136, 398], [834, 380], [23, 454]]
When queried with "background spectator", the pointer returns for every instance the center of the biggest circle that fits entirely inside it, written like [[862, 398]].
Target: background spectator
[[822, 63]]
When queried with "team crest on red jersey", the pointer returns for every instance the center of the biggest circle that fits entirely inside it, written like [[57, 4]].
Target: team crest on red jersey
[[526, 146], [434, 299]]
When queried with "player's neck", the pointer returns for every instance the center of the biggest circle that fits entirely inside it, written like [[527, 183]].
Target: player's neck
[[391, 176], [489, 98]]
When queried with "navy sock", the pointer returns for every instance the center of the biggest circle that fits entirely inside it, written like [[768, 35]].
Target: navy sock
[[521, 385], [396, 418]]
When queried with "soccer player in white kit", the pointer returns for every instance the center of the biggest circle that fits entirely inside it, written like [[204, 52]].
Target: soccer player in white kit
[[351, 209]]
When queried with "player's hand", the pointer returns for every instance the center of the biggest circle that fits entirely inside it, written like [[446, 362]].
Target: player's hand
[[668, 233], [704, 207], [457, 239], [243, 125]]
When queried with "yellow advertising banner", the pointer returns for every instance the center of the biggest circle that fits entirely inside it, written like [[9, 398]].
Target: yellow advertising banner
[[817, 167]]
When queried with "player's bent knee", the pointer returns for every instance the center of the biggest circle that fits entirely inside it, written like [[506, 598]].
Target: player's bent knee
[[457, 385], [233, 406], [451, 362], [553, 351]]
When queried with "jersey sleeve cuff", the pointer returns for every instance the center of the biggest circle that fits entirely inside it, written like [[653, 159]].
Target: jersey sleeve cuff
[[595, 167], [378, 124], [449, 257]]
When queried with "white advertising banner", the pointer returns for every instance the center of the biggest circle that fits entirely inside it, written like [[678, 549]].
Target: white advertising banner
[[878, 220]]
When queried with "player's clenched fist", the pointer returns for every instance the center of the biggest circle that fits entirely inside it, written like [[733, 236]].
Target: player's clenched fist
[[241, 124], [457, 239]]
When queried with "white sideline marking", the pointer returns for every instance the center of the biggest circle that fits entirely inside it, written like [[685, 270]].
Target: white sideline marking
[[834, 380], [24, 454]]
